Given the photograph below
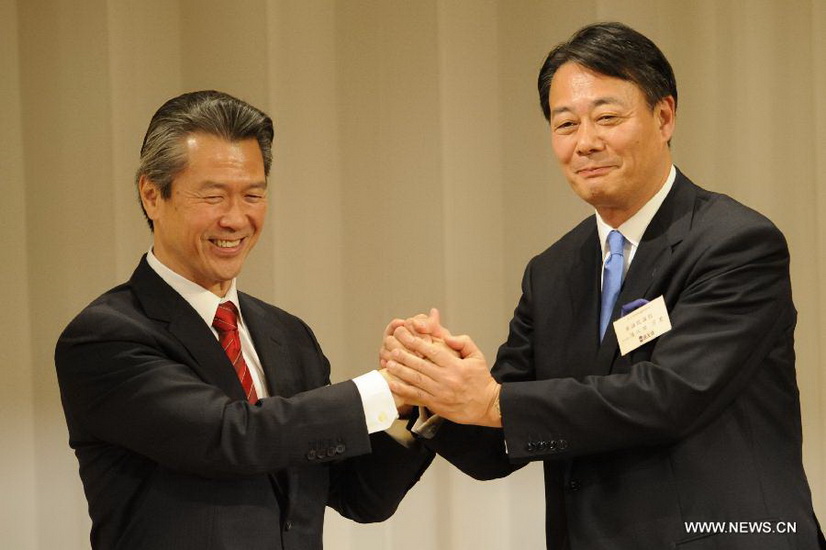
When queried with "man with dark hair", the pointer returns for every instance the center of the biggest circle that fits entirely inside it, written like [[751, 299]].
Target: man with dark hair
[[202, 417], [650, 362]]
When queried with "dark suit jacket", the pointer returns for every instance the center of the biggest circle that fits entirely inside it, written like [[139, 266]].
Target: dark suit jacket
[[701, 424], [173, 457]]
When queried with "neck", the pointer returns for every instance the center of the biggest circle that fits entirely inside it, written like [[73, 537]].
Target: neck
[[615, 216]]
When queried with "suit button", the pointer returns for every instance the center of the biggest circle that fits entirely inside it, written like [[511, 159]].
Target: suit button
[[543, 446], [321, 453], [288, 525], [531, 447], [331, 451], [563, 444], [340, 448], [311, 454], [574, 485], [552, 445]]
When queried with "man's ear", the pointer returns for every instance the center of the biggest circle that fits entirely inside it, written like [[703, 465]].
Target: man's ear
[[150, 196], [666, 112]]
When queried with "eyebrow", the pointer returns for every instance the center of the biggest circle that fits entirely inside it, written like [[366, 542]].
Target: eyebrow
[[209, 184], [596, 103]]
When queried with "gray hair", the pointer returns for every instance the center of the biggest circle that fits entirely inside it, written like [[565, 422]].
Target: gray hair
[[215, 113]]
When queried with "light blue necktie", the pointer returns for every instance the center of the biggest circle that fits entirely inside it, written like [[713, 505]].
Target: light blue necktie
[[611, 279]]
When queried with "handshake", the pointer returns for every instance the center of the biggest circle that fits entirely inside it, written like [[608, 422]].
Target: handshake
[[426, 366]]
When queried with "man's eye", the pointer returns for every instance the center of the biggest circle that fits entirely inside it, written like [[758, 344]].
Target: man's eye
[[566, 126]]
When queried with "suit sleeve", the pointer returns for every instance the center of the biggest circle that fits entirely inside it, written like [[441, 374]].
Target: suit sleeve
[[121, 385], [369, 488], [729, 301]]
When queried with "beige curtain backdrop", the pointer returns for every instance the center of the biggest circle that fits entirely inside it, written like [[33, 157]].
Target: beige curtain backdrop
[[412, 169]]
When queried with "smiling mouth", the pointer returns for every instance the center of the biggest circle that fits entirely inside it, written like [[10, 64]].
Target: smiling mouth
[[594, 171], [222, 243]]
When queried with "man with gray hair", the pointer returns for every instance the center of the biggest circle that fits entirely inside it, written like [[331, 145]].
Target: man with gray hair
[[204, 418]]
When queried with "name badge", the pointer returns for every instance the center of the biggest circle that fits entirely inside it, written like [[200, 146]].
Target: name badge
[[642, 325]]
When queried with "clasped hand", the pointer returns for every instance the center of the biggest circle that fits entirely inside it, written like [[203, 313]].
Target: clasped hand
[[427, 366]]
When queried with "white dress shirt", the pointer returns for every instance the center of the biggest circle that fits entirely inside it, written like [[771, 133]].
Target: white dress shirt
[[379, 407], [635, 226]]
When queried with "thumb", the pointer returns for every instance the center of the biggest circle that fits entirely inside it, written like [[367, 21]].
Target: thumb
[[431, 324], [435, 317], [464, 345]]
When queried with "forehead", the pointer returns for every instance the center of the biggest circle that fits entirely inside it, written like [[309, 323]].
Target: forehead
[[208, 152], [202, 142], [575, 84]]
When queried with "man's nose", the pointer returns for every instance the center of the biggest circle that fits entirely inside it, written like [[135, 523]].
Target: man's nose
[[233, 216], [589, 139]]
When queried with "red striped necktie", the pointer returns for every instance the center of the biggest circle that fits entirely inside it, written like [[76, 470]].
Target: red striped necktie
[[226, 323]]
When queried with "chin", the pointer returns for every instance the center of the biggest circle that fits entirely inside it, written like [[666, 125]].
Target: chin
[[226, 274], [589, 193], [596, 188]]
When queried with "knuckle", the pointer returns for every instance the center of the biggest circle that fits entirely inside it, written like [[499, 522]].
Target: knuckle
[[432, 351]]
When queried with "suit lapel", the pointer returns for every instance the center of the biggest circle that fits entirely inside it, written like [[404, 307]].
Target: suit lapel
[[584, 280], [666, 230], [284, 379], [163, 304], [283, 375]]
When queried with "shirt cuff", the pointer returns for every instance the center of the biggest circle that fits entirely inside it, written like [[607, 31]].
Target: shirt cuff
[[426, 425], [379, 406]]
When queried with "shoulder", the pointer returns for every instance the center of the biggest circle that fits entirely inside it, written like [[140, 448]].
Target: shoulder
[[726, 214], [569, 247], [711, 234], [257, 312], [712, 209], [109, 312], [719, 219], [252, 306], [113, 322]]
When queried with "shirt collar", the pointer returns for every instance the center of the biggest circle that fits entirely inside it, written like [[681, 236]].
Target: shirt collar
[[635, 226], [202, 300]]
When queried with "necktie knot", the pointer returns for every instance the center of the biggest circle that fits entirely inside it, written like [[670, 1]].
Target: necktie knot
[[226, 318], [616, 242]]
